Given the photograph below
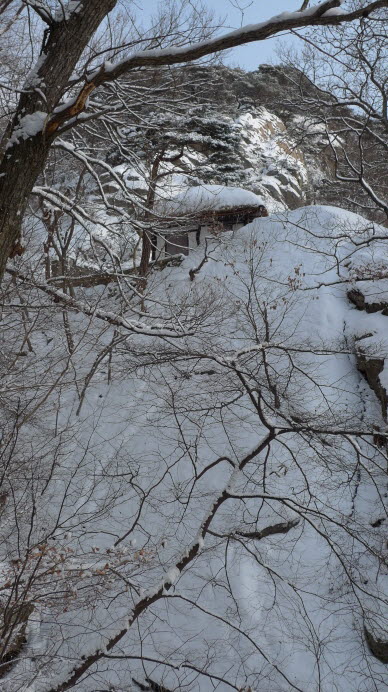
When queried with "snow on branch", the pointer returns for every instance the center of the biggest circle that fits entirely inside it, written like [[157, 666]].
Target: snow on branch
[[134, 326], [326, 13], [163, 587], [62, 14], [41, 10], [318, 15]]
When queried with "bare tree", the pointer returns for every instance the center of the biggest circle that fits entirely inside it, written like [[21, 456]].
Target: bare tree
[[220, 519], [340, 88], [191, 476], [44, 109]]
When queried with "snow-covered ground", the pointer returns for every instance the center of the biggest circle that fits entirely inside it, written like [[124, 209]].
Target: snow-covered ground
[[258, 417]]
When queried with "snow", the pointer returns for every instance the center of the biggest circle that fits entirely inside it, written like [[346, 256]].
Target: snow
[[32, 80], [172, 576], [334, 12], [211, 197], [66, 104], [259, 31], [384, 376], [29, 126], [151, 430]]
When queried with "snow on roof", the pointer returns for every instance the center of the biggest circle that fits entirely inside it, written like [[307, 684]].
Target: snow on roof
[[211, 198]]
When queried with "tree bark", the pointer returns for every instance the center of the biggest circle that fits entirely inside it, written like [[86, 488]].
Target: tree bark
[[146, 240], [25, 154]]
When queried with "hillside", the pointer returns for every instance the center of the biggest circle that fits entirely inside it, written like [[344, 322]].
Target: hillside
[[248, 408], [258, 130], [236, 132], [194, 349]]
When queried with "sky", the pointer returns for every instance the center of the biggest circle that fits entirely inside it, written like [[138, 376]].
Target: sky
[[253, 54]]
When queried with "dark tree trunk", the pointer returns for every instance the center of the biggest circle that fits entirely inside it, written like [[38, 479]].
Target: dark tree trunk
[[24, 155], [147, 235], [19, 170]]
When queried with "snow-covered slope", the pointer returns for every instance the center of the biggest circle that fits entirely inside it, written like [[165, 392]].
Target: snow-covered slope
[[243, 544]]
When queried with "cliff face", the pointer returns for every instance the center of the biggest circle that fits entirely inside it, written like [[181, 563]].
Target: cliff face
[[258, 154], [243, 131], [264, 150]]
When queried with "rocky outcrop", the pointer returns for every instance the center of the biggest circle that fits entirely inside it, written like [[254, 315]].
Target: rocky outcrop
[[358, 299], [377, 646], [371, 367]]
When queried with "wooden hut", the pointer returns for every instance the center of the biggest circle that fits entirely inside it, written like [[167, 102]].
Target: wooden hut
[[200, 212]]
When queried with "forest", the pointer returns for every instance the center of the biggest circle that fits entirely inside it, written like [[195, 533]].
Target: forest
[[193, 348]]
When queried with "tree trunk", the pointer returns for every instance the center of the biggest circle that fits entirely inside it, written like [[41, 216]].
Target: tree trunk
[[19, 171], [25, 153], [147, 236]]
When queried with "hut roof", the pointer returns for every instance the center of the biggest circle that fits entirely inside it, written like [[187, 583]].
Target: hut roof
[[211, 198]]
